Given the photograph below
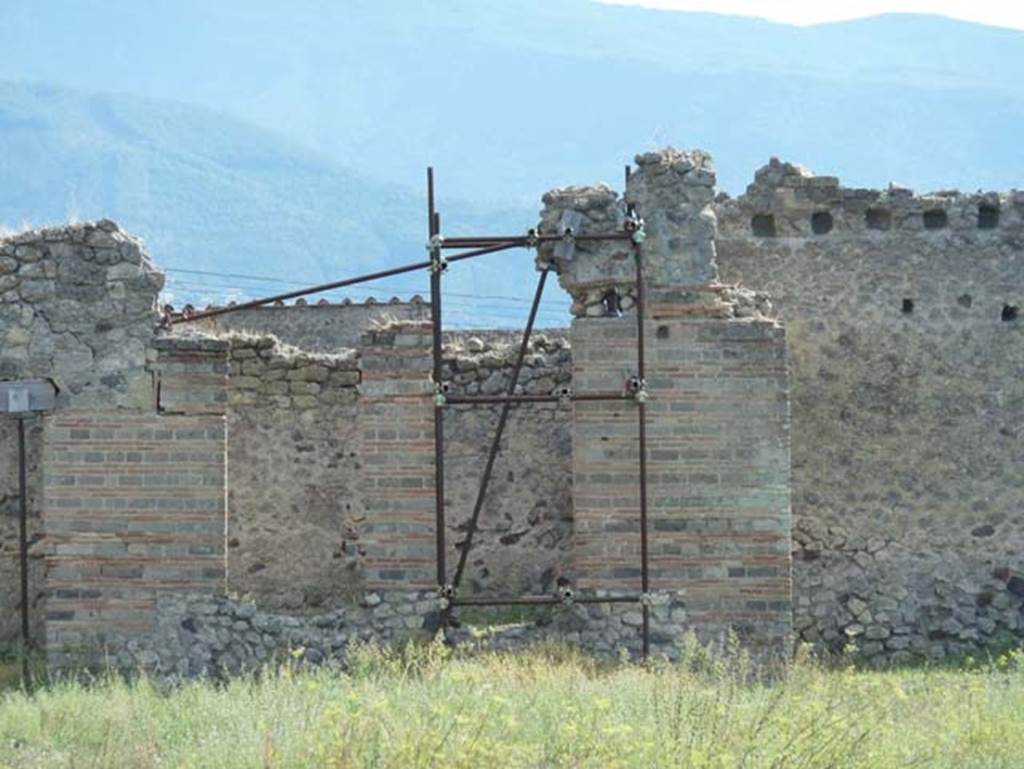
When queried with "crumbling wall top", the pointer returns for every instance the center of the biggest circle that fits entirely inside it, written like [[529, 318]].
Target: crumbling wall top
[[786, 200], [78, 305]]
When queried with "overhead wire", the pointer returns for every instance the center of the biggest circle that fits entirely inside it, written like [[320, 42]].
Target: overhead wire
[[372, 286], [464, 312]]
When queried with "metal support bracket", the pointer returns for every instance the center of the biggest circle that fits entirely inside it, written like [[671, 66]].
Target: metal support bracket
[[438, 265], [637, 387], [650, 600], [634, 225], [445, 596], [441, 390]]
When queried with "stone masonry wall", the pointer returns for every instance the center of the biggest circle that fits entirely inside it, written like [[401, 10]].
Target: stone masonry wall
[[318, 326], [77, 305], [202, 635], [906, 357], [713, 397], [133, 507], [299, 428], [523, 538]]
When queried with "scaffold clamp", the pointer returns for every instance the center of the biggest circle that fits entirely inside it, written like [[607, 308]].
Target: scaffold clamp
[[638, 388], [564, 396], [441, 393], [445, 596]]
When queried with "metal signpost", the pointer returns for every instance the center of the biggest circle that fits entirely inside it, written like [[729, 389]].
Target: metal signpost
[[22, 400]]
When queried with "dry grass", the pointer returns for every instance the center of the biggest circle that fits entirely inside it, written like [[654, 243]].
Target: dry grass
[[419, 707]]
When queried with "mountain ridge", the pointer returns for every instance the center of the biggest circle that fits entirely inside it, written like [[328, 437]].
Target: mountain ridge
[[292, 141]]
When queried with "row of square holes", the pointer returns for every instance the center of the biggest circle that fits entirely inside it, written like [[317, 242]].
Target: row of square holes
[[1009, 313], [763, 225]]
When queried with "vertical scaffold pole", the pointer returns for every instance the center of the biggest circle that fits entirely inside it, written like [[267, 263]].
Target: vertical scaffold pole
[[641, 365], [433, 228]]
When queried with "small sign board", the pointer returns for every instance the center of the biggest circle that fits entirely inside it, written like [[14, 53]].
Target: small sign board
[[27, 395]]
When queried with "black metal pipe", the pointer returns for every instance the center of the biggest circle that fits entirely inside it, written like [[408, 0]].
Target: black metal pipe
[[524, 240], [641, 365], [529, 600], [461, 400], [336, 284], [433, 226], [542, 600], [302, 292], [481, 252], [26, 679], [492, 455]]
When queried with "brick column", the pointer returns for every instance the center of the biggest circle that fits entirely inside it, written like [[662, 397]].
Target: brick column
[[133, 506], [397, 425], [717, 417]]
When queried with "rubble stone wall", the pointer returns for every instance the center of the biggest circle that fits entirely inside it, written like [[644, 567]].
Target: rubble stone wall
[[203, 635], [314, 326], [304, 430], [77, 306], [906, 357]]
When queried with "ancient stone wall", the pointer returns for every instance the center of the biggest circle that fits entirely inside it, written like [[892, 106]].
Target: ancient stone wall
[[133, 507], [302, 461], [522, 541], [906, 356], [318, 326], [298, 460], [77, 306], [204, 635], [713, 397]]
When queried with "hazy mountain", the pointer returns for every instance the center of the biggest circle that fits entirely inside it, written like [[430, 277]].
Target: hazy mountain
[[210, 194], [505, 97]]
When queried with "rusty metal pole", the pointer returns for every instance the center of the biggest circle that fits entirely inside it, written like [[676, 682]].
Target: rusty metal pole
[[436, 265], [641, 365], [642, 430], [26, 677]]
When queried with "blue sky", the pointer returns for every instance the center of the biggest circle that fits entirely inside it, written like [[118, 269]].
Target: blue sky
[[1000, 13]]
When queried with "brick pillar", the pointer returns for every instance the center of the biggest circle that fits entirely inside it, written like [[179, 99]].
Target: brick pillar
[[397, 424], [717, 418], [133, 505]]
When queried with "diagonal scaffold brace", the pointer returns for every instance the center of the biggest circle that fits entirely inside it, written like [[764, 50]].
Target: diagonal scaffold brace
[[437, 264]]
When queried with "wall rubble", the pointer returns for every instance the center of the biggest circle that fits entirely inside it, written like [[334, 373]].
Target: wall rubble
[[203, 635]]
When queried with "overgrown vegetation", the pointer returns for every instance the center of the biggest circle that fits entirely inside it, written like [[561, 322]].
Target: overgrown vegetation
[[419, 707]]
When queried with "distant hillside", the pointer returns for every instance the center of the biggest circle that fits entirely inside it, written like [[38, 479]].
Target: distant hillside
[[211, 194], [314, 120], [510, 97]]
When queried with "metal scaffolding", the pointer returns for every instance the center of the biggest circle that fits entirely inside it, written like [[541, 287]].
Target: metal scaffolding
[[634, 390]]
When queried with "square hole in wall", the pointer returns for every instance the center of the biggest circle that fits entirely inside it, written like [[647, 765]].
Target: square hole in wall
[[763, 225], [988, 217], [1010, 313], [821, 222], [935, 219], [878, 219], [907, 307]]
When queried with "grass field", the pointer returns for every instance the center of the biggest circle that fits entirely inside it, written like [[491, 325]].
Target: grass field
[[549, 708]]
